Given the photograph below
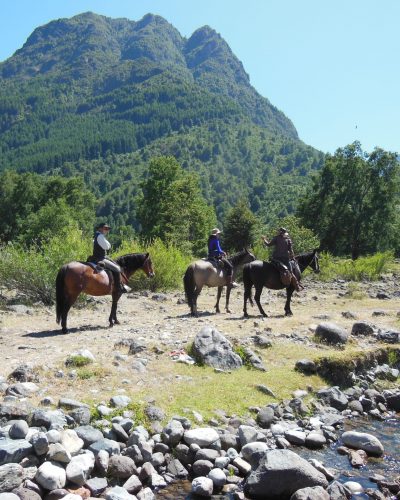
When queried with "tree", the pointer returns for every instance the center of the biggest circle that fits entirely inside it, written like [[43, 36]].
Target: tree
[[240, 227], [353, 202], [172, 207], [303, 238]]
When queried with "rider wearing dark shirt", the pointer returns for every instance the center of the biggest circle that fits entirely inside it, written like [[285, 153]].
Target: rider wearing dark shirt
[[215, 253]]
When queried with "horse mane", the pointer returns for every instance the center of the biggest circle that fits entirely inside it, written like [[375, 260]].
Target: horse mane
[[237, 257], [131, 260]]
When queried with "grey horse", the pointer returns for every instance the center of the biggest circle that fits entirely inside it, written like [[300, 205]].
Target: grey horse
[[204, 273]]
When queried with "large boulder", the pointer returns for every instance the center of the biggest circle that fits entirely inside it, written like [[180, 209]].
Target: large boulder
[[281, 473], [203, 437], [13, 450], [11, 476], [213, 349], [363, 441], [51, 476], [334, 397], [362, 328], [331, 333]]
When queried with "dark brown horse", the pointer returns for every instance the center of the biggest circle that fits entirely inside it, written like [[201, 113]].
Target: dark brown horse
[[264, 274], [75, 278]]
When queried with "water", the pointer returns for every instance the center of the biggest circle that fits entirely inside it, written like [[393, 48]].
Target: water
[[388, 432]]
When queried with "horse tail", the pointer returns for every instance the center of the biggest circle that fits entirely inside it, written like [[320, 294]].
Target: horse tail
[[60, 295], [189, 284], [248, 283]]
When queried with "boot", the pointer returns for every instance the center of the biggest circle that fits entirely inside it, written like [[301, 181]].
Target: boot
[[119, 285], [232, 283], [297, 285]]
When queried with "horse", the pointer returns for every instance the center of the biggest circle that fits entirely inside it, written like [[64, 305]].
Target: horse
[[264, 274], [75, 278], [203, 272]]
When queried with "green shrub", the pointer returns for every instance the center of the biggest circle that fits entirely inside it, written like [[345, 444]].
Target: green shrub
[[369, 267], [169, 265], [78, 360], [32, 271]]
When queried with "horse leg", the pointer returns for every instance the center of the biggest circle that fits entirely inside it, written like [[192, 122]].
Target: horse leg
[[195, 295], [228, 294], [113, 315], [218, 298], [68, 303], [289, 293], [257, 297]]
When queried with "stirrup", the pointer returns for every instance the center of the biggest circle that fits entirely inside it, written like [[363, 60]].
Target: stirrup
[[125, 288]]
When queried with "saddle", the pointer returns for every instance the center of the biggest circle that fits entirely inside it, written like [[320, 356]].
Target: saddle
[[217, 263], [286, 276], [97, 268]]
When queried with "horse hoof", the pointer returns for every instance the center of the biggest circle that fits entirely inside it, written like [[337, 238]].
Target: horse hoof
[[116, 322], [288, 313], [64, 331], [228, 311]]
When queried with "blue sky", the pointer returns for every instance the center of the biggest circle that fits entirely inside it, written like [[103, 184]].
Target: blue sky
[[331, 66]]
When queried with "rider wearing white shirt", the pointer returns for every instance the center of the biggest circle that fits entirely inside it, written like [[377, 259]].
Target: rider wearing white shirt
[[100, 247]]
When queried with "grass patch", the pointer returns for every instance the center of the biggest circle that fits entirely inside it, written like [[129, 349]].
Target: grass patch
[[369, 267], [78, 361], [136, 407], [241, 352], [86, 373], [355, 292], [234, 392]]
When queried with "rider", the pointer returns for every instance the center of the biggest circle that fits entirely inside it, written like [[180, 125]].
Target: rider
[[215, 253], [100, 247], [283, 251]]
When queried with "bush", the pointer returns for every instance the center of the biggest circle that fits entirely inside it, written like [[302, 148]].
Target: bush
[[32, 271], [169, 265], [369, 267]]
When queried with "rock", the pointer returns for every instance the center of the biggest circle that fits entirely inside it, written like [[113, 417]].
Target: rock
[[145, 494], [206, 454], [338, 491], [40, 443], [13, 450], [22, 389], [118, 493], [120, 432], [19, 309], [201, 468], [393, 401], [154, 413], [120, 401], [383, 296], [354, 487], [389, 336], [315, 439], [203, 437], [26, 494], [51, 476], [88, 434], [9, 496], [363, 441], [218, 478], [213, 349], [109, 445], [51, 419], [79, 469], [296, 437], [281, 473], [334, 397], [254, 360], [384, 372], [11, 476], [202, 486], [121, 467], [356, 406], [20, 410], [243, 466], [349, 315], [58, 453], [362, 328], [71, 404], [83, 353], [71, 441], [321, 468], [101, 460], [247, 434], [315, 493], [306, 366], [358, 458], [19, 429], [250, 449], [97, 485], [81, 415], [176, 468], [265, 417], [133, 484], [156, 481], [331, 333], [172, 433], [262, 341]]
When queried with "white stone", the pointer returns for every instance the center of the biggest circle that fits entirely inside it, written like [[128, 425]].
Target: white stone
[[203, 436], [71, 441], [51, 476], [80, 467], [202, 486]]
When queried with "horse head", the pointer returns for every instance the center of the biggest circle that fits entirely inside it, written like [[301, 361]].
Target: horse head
[[314, 264], [148, 266]]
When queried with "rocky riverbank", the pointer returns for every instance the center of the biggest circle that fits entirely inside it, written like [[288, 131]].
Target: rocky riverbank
[[123, 413]]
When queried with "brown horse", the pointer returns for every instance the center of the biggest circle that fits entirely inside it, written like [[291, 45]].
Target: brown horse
[[75, 278]]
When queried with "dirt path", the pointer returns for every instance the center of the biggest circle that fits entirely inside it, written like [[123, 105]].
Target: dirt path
[[161, 322]]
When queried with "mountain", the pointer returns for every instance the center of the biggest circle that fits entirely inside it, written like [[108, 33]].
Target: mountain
[[92, 92]]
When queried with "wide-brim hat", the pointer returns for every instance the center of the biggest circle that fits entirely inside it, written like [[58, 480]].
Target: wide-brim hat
[[215, 231], [103, 225]]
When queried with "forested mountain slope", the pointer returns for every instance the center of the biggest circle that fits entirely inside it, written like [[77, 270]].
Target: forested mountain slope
[[97, 96]]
